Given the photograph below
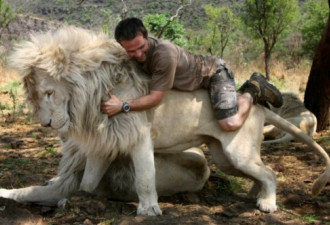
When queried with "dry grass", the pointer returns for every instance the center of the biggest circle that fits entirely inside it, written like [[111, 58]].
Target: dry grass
[[7, 75], [292, 79]]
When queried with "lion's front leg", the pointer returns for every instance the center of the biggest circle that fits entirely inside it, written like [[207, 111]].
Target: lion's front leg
[[145, 182], [95, 169]]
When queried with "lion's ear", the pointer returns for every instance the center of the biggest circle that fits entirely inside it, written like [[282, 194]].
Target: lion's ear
[[56, 61], [28, 55], [89, 58], [24, 58]]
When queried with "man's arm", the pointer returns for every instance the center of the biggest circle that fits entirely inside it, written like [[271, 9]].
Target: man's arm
[[114, 105]]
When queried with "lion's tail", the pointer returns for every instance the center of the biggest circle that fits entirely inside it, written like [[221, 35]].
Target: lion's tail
[[287, 137], [283, 124]]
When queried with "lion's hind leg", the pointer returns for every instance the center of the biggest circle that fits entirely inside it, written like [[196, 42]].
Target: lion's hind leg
[[264, 187], [242, 150], [227, 167], [62, 186], [48, 195], [43, 195]]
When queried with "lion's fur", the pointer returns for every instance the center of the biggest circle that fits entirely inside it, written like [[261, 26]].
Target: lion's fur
[[183, 172], [293, 110], [84, 66], [84, 61]]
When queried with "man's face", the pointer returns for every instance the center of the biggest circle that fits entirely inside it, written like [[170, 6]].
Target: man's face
[[136, 48]]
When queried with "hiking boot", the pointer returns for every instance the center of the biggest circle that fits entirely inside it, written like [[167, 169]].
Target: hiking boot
[[262, 91]]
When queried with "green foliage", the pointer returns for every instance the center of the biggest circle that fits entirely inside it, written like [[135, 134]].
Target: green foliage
[[313, 24], [195, 42], [228, 184], [107, 221], [220, 24], [267, 20], [110, 21], [174, 31], [48, 151], [6, 14], [14, 163], [16, 107], [3, 106], [324, 140], [310, 218]]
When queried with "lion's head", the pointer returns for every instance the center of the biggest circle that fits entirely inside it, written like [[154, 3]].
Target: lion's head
[[66, 73]]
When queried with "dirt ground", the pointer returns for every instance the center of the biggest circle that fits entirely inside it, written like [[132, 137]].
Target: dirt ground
[[29, 156]]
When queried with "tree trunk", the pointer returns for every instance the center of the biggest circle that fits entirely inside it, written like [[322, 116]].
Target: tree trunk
[[317, 94], [267, 61]]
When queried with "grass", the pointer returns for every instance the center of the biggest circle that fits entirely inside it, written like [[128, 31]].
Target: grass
[[234, 185], [13, 91], [13, 161], [13, 86], [107, 222], [324, 140], [310, 218], [48, 151], [14, 166], [6, 146]]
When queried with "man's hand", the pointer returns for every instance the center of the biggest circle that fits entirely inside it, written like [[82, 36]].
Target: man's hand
[[112, 106]]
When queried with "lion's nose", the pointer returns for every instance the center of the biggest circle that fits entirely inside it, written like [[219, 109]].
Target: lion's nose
[[47, 124]]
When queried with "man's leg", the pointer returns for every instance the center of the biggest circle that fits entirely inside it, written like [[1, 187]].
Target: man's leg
[[262, 91], [232, 111], [244, 104]]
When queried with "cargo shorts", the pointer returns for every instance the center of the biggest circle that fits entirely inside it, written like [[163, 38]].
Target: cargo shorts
[[222, 91]]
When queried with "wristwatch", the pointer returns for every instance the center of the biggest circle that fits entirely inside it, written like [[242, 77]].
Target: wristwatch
[[126, 107]]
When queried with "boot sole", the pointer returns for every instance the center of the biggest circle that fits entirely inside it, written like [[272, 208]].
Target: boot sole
[[262, 81]]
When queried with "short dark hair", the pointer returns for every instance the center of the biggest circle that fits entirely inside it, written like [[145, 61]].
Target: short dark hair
[[128, 29]]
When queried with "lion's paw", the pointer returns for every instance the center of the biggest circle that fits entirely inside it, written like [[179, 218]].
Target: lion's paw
[[62, 203], [149, 211], [266, 205], [4, 193]]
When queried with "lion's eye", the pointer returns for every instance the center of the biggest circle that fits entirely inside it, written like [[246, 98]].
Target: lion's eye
[[49, 93]]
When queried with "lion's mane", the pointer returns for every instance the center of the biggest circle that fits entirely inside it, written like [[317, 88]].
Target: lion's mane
[[88, 65]]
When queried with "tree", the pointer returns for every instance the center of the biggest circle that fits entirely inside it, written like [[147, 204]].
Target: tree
[[314, 21], [317, 94], [220, 24], [174, 31], [168, 27], [266, 20], [6, 15]]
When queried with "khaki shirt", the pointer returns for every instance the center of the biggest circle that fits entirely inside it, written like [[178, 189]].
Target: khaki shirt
[[173, 67]]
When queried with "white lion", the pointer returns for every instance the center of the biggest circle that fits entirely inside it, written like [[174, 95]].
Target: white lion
[[293, 110], [66, 74]]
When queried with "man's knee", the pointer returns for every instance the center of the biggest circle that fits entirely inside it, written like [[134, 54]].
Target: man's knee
[[229, 124], [222, 93]]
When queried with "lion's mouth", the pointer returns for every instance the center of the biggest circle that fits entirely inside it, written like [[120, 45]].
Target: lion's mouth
[[63, 126]]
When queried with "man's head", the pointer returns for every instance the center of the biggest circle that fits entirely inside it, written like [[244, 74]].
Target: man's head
[[132, 35], [127, 29]]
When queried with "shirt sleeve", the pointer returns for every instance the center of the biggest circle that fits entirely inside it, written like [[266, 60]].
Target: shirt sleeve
[[163, 68]]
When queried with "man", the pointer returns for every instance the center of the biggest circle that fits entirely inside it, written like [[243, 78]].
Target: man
[[173, 67]]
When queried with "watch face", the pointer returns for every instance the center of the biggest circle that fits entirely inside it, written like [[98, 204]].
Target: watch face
[[126, 107]]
